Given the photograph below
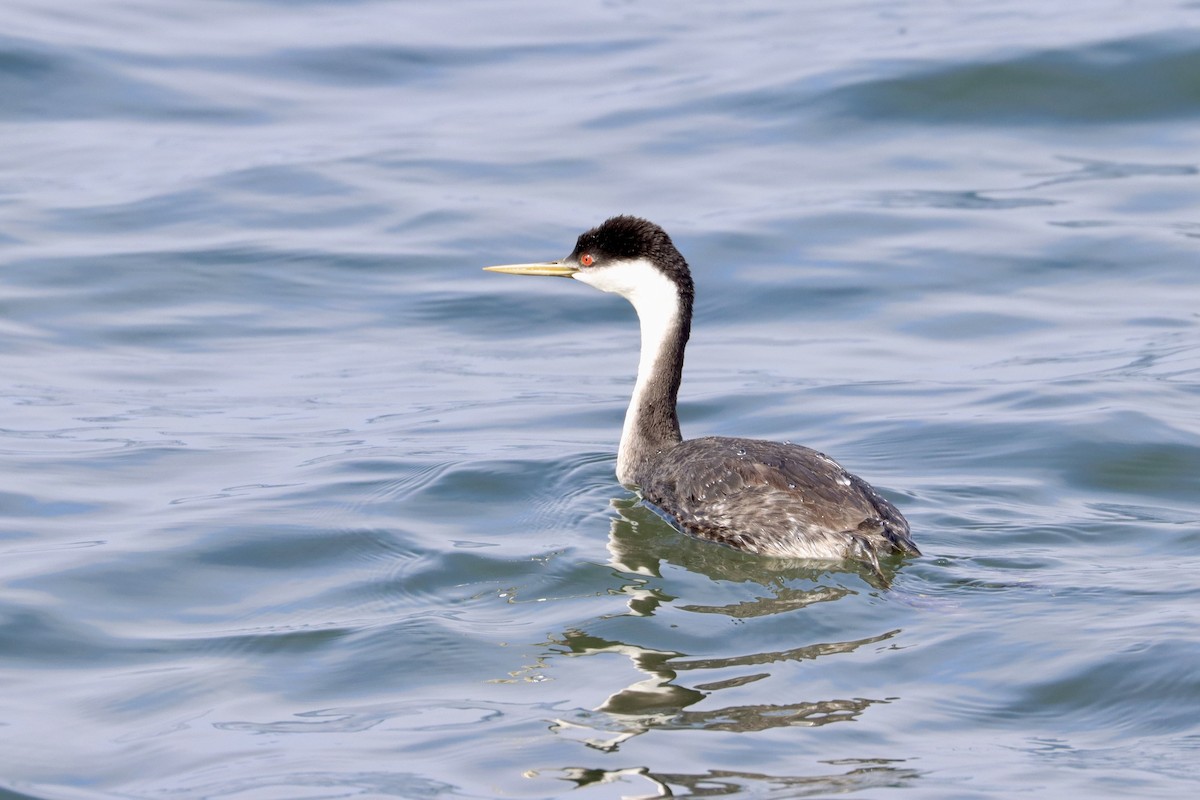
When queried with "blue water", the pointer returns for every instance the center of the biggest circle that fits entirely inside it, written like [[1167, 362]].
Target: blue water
[[299, 503]]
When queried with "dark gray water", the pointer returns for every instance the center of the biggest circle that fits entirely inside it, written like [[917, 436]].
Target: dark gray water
[[298, 503]]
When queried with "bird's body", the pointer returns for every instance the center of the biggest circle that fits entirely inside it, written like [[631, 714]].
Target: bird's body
[[775, 499], [771, 498]]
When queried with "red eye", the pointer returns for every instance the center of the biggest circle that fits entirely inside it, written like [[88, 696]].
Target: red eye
[[587, 260]]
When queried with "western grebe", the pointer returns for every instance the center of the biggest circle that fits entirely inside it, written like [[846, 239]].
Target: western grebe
[[764, 497]]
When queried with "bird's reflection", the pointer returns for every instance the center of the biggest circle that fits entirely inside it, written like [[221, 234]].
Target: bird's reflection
[[862, 774], [658, 702], [676, 690]]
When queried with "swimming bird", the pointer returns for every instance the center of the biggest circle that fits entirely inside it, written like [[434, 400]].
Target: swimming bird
[[771, 498]]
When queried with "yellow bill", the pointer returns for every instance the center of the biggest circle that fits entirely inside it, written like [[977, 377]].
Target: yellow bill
[[555, 269]]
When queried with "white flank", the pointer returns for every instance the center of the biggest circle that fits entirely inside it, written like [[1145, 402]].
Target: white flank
[[656, 301]]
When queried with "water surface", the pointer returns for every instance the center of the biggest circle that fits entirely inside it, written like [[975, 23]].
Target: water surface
[[300, 503]]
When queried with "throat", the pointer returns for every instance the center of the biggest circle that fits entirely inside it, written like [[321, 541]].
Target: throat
[[652, 423]]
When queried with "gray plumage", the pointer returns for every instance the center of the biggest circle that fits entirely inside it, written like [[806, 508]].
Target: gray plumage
[[770, 498], [774, 499]]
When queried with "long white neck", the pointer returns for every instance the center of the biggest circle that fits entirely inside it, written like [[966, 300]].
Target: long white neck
[[651, 423]]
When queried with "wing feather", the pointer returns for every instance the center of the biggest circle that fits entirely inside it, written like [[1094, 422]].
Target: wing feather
[[775, 499]]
